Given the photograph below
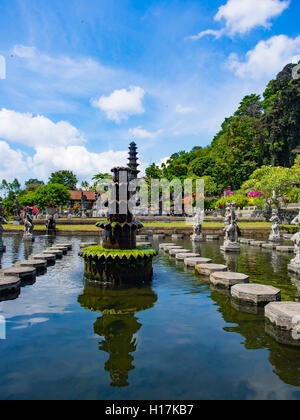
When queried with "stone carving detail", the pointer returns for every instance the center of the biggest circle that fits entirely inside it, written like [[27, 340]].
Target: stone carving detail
[[28, 223], [2, 221], [232, 231], [51, 225], [275, 235], [198, 221]]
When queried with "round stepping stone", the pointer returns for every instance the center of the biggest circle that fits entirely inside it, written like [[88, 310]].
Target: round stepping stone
[[175, 251], [212, 237], [192, 262], [255, 294], [159, 237], [144, 244], [58, 253], [63, 250], [269, 246], [258, 244], [287, 249], [285, 315], [33, 263], [183, 256], [142, 237], [45, 256], [177, 237], [63, 247], [207, 269], [163, 246], [69, 246], [228, 279], [22, 273], [245, 241], [87, 244], [9, 283]]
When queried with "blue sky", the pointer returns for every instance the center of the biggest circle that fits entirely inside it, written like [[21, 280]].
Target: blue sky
[[85, 78]]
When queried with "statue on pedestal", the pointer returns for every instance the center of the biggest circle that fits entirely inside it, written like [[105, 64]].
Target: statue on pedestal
[[295, 263], [51, 225], [275, 235], [198, 220], [2, 221], [28, 224], [83, 205], [232, 231]]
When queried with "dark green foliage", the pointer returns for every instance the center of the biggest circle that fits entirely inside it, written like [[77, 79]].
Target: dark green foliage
[[66, 178], [261, 132]]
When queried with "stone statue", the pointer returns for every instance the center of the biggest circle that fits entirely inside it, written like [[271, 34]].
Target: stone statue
[[2, 221], [83, 205], [51, 225], [275, 235], [16, 212], [28, 224], [232, 231], [198, 220], [295, 263]]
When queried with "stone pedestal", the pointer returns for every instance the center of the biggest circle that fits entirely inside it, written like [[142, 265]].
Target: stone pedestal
[[274, 238], [197, 238], [231, 247], [28, 237]]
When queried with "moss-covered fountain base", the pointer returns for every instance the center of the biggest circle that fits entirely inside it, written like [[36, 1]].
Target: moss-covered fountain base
[[118, 266]]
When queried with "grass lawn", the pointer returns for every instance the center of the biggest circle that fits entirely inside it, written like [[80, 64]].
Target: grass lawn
[[93, 228]]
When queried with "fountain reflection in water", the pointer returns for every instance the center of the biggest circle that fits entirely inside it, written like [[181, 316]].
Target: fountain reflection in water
[[118, 324]]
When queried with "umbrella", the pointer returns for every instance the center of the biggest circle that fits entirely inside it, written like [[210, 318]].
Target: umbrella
[[35, 210]]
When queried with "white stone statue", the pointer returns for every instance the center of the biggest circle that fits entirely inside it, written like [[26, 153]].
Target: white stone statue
[[275, 234], [231, 230], [28, 224], [198, 221]]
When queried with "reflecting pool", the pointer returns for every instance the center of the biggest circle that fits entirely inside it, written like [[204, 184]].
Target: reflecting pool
[[67, 338]]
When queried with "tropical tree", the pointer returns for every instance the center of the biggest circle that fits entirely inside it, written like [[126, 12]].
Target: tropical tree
[[66, 178], [51, 195]]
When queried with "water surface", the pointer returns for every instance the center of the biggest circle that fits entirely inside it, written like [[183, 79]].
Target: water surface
[[174, 339]]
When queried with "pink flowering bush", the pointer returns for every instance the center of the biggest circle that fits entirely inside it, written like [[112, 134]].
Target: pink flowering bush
[[254, 194], [229, 193]]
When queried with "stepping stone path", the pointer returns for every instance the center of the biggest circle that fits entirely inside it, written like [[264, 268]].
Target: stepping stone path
[[87, 244], [183, 256], [22, 273], [212, 237], [228, 279], [287, 249], [177, 237], [207, 269], [192, 262], [255, 294], [284, 315]]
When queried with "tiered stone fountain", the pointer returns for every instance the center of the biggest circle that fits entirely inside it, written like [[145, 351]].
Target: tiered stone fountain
[[120, 260]]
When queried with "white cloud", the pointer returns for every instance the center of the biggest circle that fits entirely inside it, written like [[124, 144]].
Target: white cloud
[[13, 163], [241, 16], [75, 158], [184, 110], [267, 58], [121, 103], [36, 130], [141, 133]]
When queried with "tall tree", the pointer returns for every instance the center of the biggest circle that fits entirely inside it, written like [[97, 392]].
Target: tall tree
[[66, 178]]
